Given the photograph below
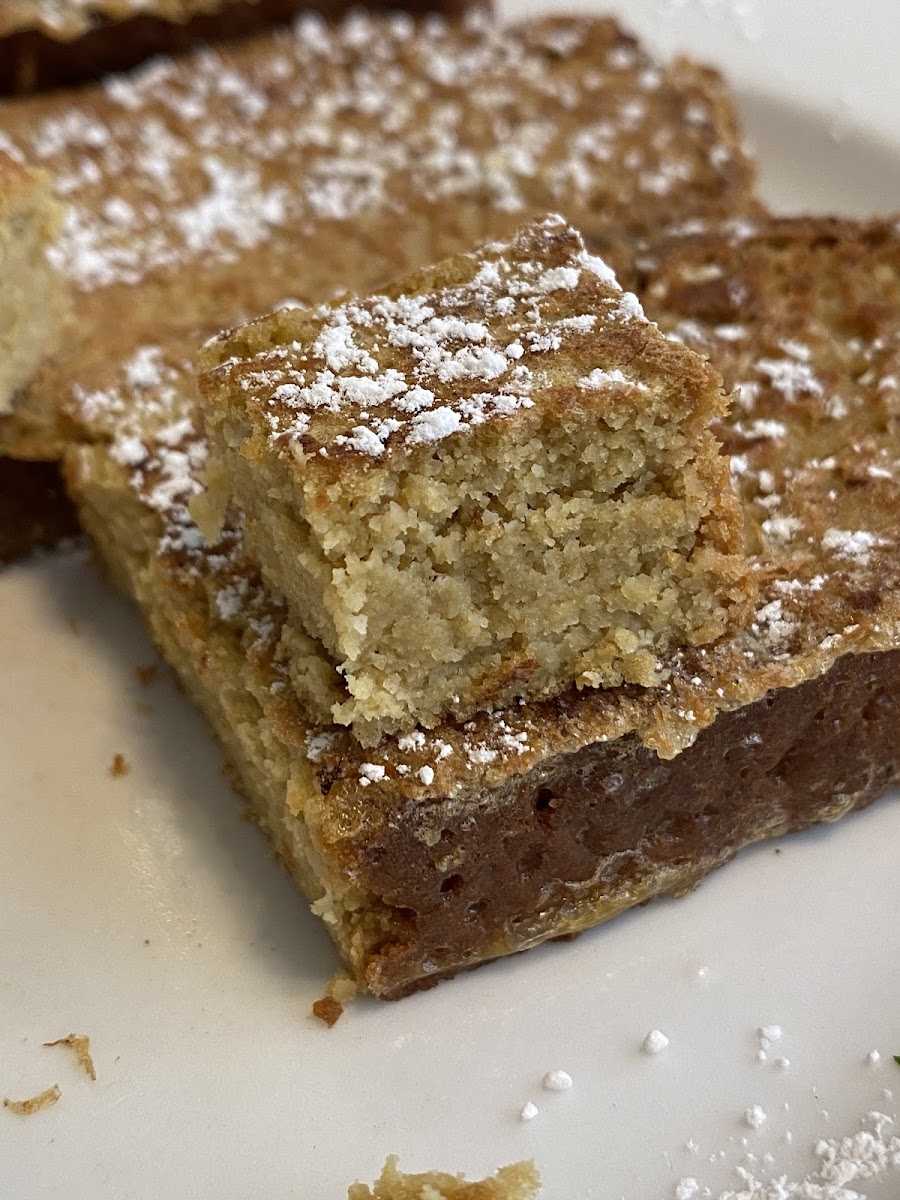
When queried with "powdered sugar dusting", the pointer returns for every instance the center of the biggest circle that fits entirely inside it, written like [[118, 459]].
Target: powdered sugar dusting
[[413, 368], [205, 159]]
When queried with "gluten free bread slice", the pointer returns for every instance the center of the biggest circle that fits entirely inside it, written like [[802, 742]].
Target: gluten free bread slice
[[443, 849], [492, 479]]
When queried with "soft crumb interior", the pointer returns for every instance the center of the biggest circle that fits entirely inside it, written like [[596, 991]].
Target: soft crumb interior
[[30, 301], [503, 565]]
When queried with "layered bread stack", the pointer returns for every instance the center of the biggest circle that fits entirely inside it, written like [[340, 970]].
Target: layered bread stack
[[451, 563]]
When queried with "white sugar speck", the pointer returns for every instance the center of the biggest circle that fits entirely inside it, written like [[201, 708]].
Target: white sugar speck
[[687, 1188], [370, 773], [755, 1116], [411, 741], [556, 1081], [529, 1111], [655, 1042]]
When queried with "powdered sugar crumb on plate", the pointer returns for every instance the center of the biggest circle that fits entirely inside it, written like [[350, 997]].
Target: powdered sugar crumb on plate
[[655, 1042], [755, 1116]]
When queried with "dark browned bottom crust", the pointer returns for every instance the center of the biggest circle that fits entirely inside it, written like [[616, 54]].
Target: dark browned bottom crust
[[798, 757], [34, 508], [30, 61]]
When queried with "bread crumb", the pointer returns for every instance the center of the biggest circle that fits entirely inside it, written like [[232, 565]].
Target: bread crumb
[[147, 674], [81, 1044], [34, 1104], [519, 1181], [328, 1010], [120, 766], [341, 988]]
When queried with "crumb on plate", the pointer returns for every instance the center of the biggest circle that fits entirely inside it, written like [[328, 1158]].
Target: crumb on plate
[[25, 1108], [519, 1181], [81, 1044], [120, 766], [147, 673]]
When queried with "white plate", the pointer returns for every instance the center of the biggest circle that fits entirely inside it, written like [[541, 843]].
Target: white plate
[[141, 910]]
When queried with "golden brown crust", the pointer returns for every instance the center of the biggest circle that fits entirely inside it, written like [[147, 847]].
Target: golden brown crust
[[328, 1010], [276, 361]]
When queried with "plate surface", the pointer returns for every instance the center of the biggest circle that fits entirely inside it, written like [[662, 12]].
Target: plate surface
[[140, 910]]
